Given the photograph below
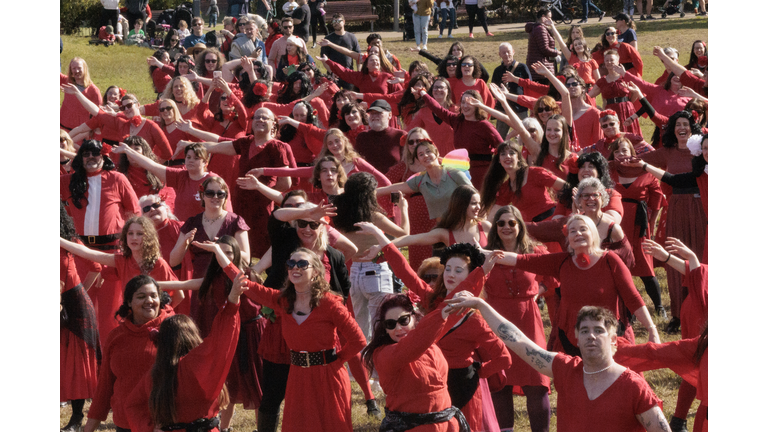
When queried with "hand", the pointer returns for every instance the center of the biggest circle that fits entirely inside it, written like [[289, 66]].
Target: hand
[[219, 83], [184, 125], [496, 91], [248, 182], [71, 88], [462, 301], [324, 42], [207, 245], [395, 80], [370, 253], [491, 260], [654, 249], [151, 61], [618, 69], [121, 148], [322, 58], [246, 63], [321, 211], [256, 172], [539, 68], [285, 71], [285, 120], [191, 76], [188, 237], [687, 92], [509, 77], [633, 89], [474, 102], [239, 286], [658, 51], [369, 228], [575, 209], [697, 73], [677, 247], [631, 119], [416, 92], [632, 161], [322, 88], [399, 73]]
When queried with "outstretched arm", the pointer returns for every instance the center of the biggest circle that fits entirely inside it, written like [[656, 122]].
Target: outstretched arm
[[89, 106], [141, 160], [250, 182], [89, 254], [560, 42], [501, 93]]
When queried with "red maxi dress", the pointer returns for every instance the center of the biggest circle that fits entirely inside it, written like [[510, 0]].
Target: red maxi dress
[[316, 397], [625, 109]]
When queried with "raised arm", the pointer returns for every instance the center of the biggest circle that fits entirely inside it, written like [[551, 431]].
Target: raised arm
[[394, 187], [354, 55], [89, 254], [671, 65], [141, 160], [182, 244], [436, 235], [496, 114], [224, 147], [560, 87], [560, 42], [537, 357], [314, 213], [186, 126], [250, 182], [500, 93]]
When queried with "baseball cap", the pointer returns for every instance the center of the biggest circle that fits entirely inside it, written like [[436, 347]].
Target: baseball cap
[[380, 105]]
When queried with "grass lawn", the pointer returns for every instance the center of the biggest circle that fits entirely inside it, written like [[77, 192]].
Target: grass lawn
[[126, 67]]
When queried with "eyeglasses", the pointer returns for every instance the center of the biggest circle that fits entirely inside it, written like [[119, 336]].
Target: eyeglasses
[[166, 108], [301, 223], [428, 278], [220, 194], [211, 61], [451, 64], [337, 21], [610, 33], [416, 141], [404, 320], [129, 105], [589, 196], [502, 224], [467, 64], [544, 108], [532, 130], [92, 153], [572, 84], [197, 24], [149, 208], [301, 264], [607, 125]]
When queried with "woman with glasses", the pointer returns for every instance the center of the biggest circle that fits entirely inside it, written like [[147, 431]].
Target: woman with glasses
[[627, 55], [468, 78], [455, 52], [440, 90], [172, 45], [318, 395], [181, 92]]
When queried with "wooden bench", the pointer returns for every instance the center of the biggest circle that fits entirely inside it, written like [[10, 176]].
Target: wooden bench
[[353, 11]]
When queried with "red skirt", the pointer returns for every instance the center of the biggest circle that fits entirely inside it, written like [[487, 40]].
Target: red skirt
[[687, 222], [245, 374], [78, 368]]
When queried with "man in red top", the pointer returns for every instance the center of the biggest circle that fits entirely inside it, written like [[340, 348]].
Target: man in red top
[[594, 393], [380, 146]]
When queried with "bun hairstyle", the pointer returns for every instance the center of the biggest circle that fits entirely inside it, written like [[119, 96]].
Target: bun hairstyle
[[476, 258]]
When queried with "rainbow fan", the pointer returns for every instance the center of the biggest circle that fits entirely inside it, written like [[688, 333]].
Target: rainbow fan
[[457, 159]]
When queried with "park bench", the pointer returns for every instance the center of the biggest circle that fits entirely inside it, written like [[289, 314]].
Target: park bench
[[353, 11]]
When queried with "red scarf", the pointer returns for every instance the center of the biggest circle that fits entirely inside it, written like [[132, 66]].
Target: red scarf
[[136, 120], [374, 74], [95, 173]]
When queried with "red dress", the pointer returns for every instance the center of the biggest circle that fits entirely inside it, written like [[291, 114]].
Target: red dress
[[584, 68], [117, 127], [628, 56], [534, 199], [458, 88], [588, 128], [363, 81], [78, 364], [606, 284], [128, 354], [665, 102], [200, 258], [72, 113], [440, 132], [195, 115], [694, 312], [512, 292], [645, 189], [550, 163], [316, 397], [624, 110], [200, 376], [187, 200], [161, 76], [418, 215], [614, 410]]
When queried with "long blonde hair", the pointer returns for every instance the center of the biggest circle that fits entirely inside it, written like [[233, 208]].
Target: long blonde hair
[[189, 98], [349, 153], [86, 74]]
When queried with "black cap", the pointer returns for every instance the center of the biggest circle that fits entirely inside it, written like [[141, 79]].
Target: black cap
[[622, 17], [380, 105]]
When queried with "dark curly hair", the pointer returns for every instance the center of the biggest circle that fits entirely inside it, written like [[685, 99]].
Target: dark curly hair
[[287, 95], [78, 183], [288, 132], [699, 163], [131, 287], [442, 67], [380, 337], [465, 251], [572, 180], [475, 68], [357, 203], [67, 229], [409, 105], [669, 139]]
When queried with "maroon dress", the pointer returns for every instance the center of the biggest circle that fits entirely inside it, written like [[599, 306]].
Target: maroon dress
[[616, 89]]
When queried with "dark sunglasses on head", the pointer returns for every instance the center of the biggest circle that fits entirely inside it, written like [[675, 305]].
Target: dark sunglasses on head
[[428, 278], [301, 264], [92, 153], [301, 223], [605, 125], [155, 206], [166, 108], [129, 105], [220, 194], [502, 224], [544, 108], [404, 320], [211, 61], [572, 84]]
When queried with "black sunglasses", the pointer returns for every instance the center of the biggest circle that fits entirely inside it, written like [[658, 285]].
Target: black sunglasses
[[605, 125], [544, 108], [129, 105], [404, 320], [218, 194], [301, 223], [416, 141], [301, 264], [166, 108], [211, 61], [428, 278], [155, 206], [92, 153], [451, 64], [610, 33], [502, 224], [572, 84]]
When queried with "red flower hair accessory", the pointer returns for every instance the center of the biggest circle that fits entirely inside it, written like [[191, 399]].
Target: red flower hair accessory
[[413, 297], [608, 112], [260, 89], [695, 116], [572, 165], [122, 92], [136, 120], [106, 149]]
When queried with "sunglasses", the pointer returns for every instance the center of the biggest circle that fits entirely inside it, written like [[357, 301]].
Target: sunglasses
[[467, 64], [129, 105], [174, 39], [224, 98], [218, 194], [211, 61], [92, 153], [428, 278], [155, 206], [303, 224], [337, 21], [404, 320], [544, 108], [502, 224], [610, 33], [301, 264], [606, 125], [166, 108], [451, 64], [416, 141], [572, 84]]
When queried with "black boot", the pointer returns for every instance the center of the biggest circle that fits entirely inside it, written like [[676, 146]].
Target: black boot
[[673, 327], [677, 424], [373, 408], [267, 422]]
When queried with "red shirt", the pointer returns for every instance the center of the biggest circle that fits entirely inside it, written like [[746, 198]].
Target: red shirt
[[363, 81], [161, 76], [116, 198], [72, 113], [614, 410], [441, 132], [117, 127], [584, 68], [458, 88], [534, 197], [187, 202], [588, 128], [195, 114]]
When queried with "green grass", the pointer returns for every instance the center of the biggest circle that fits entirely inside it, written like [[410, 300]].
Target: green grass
[[126, 66]]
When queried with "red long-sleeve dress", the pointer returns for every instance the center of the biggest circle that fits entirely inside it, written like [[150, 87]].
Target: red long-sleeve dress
[[478, 137], [628, 56], [441, 132], [316, 397], [366, 83], [200, 376], [624, 110], [534, 198], [665, 102], [72, 113], [615, 409], [695, 310], [458, 88], [128, 354], [604, 284]]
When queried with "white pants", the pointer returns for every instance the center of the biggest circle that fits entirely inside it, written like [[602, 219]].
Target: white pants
[[371, 283]]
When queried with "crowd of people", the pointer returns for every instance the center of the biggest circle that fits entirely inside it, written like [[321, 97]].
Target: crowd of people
[[513, 191]]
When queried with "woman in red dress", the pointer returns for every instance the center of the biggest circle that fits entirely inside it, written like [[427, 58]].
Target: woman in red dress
[[72, 113], [627, 54], [318, 395], [435, 127], [129, 352], [142, 181], [513, 293], [185, 388], [468, 78], [370, 79], [615, 93], [160, 70]]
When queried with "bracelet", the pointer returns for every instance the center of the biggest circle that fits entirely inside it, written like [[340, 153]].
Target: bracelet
[[652, 326], [644, 166], [669, 255]]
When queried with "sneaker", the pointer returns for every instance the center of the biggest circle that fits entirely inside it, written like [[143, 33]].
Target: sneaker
[[471, 36], [439, 36], [661, 312], [702, 14], [488, 34], [424, 47], [450, 36], [314, 45], [602, 15], [650, 17], [642, 17]]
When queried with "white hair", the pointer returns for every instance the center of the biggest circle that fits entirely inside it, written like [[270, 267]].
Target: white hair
[[506, 44], [592, 182], [151, 199], [594, 246]]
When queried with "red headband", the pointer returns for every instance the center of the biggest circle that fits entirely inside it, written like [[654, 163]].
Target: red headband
[[260, 89], [608, 112]]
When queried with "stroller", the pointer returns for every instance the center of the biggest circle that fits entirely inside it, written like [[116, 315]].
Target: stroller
[[562, 13], [408, 33], [671, 7], [172, 17]]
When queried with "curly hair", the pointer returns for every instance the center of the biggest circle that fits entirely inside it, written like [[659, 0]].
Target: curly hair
[[287, 95], [78, 183], [525, 244], [591, 182], [158, 55], [380, 337], [150, 245], [318, 166], [497, 175], [319, 284], [669, 139], [189, 98], [476, 71], [442, 68], [465, 251], [123, 164], [200, 65], [572, 179], [357, 203], [251, 99]]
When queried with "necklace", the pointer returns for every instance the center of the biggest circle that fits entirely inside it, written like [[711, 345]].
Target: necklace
[[212, 220], [599, 221], [597, 372]]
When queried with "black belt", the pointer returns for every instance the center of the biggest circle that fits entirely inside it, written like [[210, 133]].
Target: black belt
[[480, 157], [304, 164], [641, 214], [199, 425], [544, 215], [174, 162], [685, 191], [99, 240], [306, 359], [398, 421], [628, 66], [616, 100]]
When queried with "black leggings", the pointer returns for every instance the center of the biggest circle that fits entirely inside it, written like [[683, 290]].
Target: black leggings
[[316, 20], [653, 289], [273, 386], [473, 10], [77, 409], [537, 403]]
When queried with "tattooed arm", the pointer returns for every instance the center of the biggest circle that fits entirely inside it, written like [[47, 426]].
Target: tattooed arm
[[653, 420], [536, 356]]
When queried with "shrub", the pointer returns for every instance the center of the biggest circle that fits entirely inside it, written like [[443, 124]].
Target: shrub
[[75, 12]]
